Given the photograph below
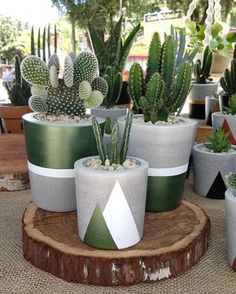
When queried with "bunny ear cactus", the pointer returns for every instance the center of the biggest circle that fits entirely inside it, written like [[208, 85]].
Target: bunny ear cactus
[[68, 96], [162, 91]]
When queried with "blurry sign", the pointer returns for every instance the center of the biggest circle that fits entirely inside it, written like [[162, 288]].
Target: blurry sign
[[162, 15]]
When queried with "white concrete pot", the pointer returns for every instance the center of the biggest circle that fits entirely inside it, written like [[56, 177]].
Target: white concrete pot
[[114, 113], [226, 122], [210, 169], [111, 205]]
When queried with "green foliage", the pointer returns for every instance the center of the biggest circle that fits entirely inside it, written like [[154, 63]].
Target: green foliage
[[228, 82], [202, 69], [219, 141], [231, 182], [18, 92], [116, 152], [164, 90], [68, 96]]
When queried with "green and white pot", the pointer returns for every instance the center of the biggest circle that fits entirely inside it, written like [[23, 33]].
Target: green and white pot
[[111, 204], [196, 98], [52, 149], [166, 147], [114, 113], [227, 122], [210, 169]]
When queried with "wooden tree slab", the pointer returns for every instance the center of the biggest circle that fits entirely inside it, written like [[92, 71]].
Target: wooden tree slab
[[14, 174], [173, 242]]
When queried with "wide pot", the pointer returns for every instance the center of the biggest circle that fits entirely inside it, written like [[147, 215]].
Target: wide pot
[[52, 149], [210, 169], [166, 147], [111, 204], [227, 122], [11, 117], [114, 113], [196, 98]]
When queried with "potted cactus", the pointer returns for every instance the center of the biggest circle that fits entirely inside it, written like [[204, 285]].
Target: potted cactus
[[18, 94], [211, 162], [112, 55], [202, 86], [59, 132], [111, 193], [230, 216], [159, 136], [226, 119]]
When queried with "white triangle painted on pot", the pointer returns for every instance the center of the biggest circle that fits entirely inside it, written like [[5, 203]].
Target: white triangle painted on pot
[[119, 219]]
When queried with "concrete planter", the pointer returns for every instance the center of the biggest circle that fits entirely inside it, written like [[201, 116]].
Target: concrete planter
[[227, 122], [114, 113], [230, 216], [52, 149], [220, 63], [110, 205], [211, 106], [209, 171], [196, 98], [167, 150]]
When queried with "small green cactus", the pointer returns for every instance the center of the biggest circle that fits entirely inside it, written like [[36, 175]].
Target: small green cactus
[[202, 69], [70, 95], [115, 153], [231, 182], [219, 141], [108, 125], [228, 82]]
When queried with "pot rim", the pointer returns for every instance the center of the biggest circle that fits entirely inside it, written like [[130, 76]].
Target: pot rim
[[208, 84], [219, 113], [197, 146]]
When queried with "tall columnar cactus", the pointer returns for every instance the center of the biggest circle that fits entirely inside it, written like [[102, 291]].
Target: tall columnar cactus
[[202, 70], [231, 182], [228, 82], [163, 90], [68, 96], [116, 152], [18, 92]]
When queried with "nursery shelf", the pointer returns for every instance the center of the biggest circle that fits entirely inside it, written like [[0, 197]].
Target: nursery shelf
[[13, 163], [173, 242]]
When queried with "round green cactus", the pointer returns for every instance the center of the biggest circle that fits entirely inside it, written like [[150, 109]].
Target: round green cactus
[[38, 91], [38, 104], [94, 100], [101, 85], [85, 90]]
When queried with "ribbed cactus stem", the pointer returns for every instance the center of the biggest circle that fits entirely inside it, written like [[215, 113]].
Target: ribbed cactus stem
[[125, 139], [53, 76], [18, 77], [115, 156], [136, 83], [99, 141]]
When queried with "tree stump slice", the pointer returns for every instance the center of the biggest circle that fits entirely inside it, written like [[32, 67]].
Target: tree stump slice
[[172, 243], [14, 174]]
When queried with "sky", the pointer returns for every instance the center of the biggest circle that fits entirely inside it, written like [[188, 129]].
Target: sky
[[36, 12]]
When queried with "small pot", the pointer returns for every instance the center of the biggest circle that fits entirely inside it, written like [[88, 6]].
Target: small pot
[[227, 122], [114, 113], [220, 63], [196, 98], [211, 106], [110, 204]]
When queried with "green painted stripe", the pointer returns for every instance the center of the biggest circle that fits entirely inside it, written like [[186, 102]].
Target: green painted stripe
[[165, 193], [58, 146], [97, 233]]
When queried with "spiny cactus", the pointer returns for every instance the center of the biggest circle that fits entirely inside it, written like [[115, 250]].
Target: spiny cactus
[[219, 141], [202, 70], [231, 182], [68, 96], [114, 153], [19, 91], [162, 91], [228, 82]]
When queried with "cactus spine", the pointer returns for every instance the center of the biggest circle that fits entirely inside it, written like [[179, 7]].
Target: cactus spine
[[202, 69]]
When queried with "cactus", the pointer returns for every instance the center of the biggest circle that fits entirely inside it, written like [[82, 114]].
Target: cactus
[[19, 91], [108, 123], [202, 69], [228, 82], [48, 41], [219, 141], [66, 96], [116, 153], [163, 90], [231, 182]]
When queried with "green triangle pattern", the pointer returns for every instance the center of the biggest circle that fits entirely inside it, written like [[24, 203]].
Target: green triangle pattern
[[97, 233]]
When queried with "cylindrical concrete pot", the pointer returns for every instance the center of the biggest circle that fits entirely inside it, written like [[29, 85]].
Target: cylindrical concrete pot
[[52, 149], [196, 98], [166, 147], [220, 63], [210, 169], [230, 217], [110, 205], [114, 113], [211, 106], [227, 122]]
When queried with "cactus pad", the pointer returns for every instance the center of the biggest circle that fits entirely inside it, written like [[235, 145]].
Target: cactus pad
[[54, 60], [53, 76], [38, 104], [38, 91], [100, 84], [68, 72], [94, 100], [85, 90]]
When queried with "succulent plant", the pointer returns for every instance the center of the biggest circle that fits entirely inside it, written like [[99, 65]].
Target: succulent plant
[[112, 55], [231, 182], [202, 70], [115, 152], [69, 95], [219, 141], [19, 91], [162, 91]]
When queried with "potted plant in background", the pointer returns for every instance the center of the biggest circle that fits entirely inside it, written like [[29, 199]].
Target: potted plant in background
[[59, 132], [111, 193], [112, 55], [158, 136], [211, 162], [202, 86], [18, 93]]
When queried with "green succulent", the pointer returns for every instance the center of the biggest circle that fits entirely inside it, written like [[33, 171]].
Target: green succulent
[[202, 70], [219, 141]]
